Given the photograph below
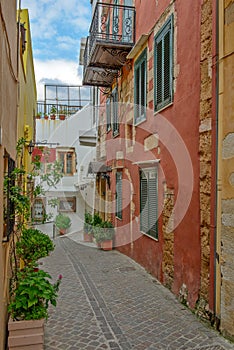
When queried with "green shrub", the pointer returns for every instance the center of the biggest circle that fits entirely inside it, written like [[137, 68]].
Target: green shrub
[[32, 294], [33, 245], [62, 221]]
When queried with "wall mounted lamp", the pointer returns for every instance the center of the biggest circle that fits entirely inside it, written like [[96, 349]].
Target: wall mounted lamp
[[32, 144]]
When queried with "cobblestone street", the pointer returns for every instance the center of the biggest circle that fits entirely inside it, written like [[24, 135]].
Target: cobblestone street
[[107, 301]]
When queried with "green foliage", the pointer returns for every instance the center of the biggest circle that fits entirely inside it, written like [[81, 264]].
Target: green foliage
[[90, 221], [32, 294], [53, 202], [97, 220], [31, 291], [33, 245], [88, 218], [53, 110], [53, 174], [103, 232], [62, 221]]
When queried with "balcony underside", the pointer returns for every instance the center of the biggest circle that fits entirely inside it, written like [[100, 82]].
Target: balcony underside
[[109, 54], [96, 76], [111, 38]]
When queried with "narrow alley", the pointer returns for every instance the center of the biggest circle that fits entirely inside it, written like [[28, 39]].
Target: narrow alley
[[107, 301]]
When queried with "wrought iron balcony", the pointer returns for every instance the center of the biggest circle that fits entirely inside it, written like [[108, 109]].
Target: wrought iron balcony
[[111, 37]]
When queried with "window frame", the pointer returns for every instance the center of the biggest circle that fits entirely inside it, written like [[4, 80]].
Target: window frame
[[108, 114], [138, 96], [65, 153], [115, 112], [146, 205], [167, 29], [71, 203]]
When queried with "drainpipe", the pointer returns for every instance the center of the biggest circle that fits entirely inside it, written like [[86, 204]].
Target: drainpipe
[[217, 185]]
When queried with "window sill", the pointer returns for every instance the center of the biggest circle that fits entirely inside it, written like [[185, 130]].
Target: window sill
[[145, 234], [116, 135], [162, 108], [137, 123]]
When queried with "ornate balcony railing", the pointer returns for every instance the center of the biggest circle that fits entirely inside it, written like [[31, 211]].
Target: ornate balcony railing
[[113, 23], [111, 37]]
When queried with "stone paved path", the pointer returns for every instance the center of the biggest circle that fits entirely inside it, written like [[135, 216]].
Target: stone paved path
[[107, 301]]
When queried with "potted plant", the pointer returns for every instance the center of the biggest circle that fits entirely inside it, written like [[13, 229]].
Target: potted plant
[[30, 289], [28, 308], [103, 234], [62, 222], [38, 116], [107, 235], [53, 112], [88, 229], [62, 114], [33, 245], [46, 117]]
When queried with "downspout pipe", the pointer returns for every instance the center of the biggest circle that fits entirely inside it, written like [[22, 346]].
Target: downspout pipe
[[216, 158]]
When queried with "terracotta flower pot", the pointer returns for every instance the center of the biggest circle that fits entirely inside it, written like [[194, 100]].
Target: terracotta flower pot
[[62, 231], [99, 245], [88, 237], [52, 116], [62, 117], [107, 245], [26, 334]]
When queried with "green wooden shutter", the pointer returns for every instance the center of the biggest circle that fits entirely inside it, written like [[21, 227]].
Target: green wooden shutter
[[153, 203], [119, 195], [115, 112], [143, 203], [163, 63], [108, 114], [149, 202], [167, 68], [140, 86]]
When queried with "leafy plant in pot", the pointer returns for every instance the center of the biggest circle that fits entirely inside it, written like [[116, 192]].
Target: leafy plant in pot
[[62, 222], [104, 234], [33, 245], [31, 292], [88, 229], [53, 112], [30, 300]]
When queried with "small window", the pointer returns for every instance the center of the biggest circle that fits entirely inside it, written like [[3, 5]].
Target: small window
[[149, 201], [163, 63], [67, 204], [140, 87], [68, 160], [118, 211], [38, 210]]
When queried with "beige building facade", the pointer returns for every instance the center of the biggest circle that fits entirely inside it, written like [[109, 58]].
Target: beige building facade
[[17, 110], [225, 193]]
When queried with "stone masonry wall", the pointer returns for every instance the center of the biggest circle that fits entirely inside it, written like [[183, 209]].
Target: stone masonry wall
[[226, 103], [205, 147]]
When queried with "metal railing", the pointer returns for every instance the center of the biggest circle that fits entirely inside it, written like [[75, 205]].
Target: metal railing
[[45, 110], [111, 23]]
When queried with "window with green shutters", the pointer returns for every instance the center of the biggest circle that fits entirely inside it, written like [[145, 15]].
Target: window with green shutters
[[115, 112], [140, 87], [108, 114], [163, 66], [149, 201], [118, 211]]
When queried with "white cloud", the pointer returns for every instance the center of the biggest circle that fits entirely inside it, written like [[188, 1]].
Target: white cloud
[[57, 71]]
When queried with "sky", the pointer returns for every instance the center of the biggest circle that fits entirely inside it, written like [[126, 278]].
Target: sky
[[56, 29]]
